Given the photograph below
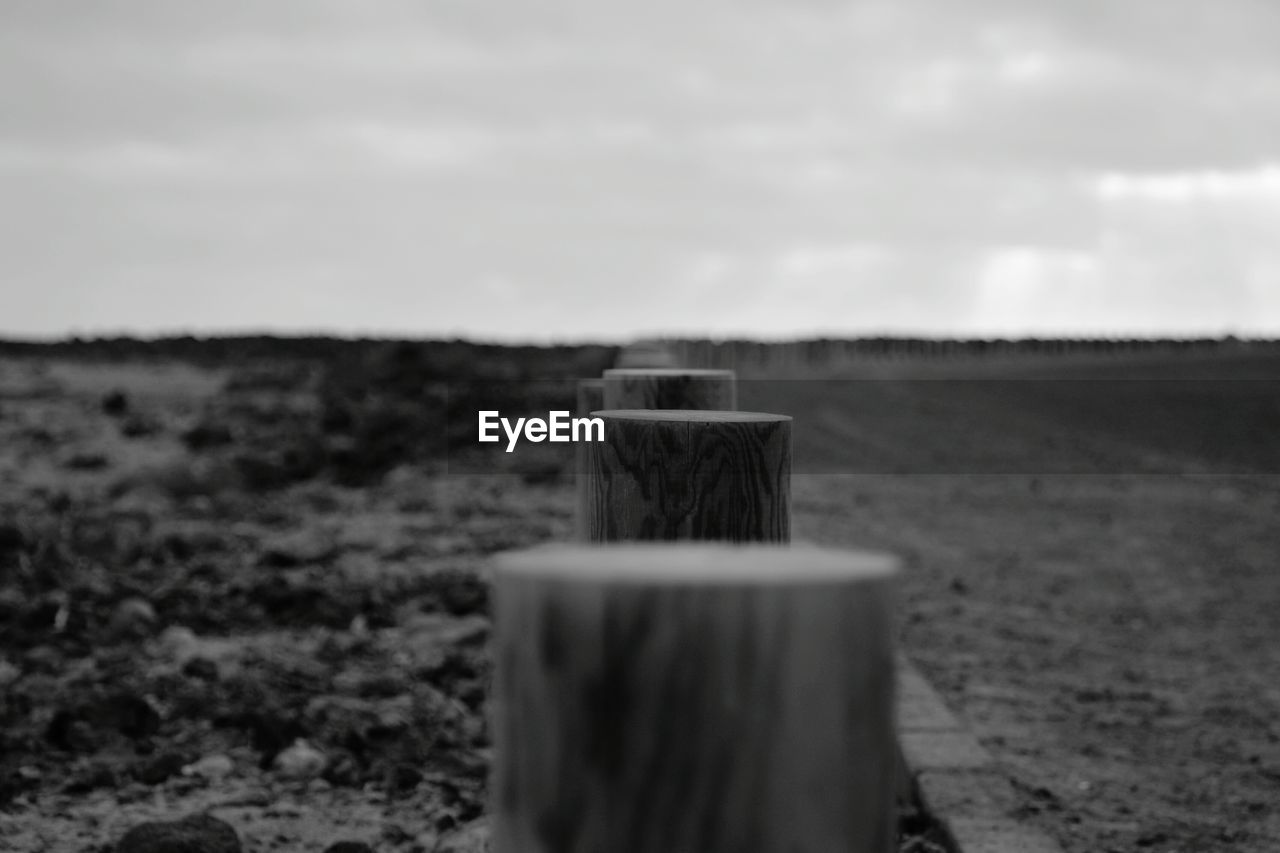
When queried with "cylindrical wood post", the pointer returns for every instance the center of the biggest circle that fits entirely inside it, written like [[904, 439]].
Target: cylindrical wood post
[[683, 388], [590, 398], [693, 698], [661, 474], [654, 388]]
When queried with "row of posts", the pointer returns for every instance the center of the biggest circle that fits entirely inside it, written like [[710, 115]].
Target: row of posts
[[683, 678]]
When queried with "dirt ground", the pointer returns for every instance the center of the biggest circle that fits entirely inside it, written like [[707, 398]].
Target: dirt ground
[[309, 660], [1111, 640], [1091, 579]]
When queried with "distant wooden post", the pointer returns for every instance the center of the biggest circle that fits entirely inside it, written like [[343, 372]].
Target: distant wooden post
[[666, 475], [670, 388], [648, 354], [590, 398], [650, 388], [693, 698]]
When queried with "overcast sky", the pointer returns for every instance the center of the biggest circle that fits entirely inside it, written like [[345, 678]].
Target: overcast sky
[[575, 169]]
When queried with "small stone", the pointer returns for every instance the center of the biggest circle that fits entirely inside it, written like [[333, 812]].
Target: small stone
[[425, 842], [12, 601], [8, 673], [115, 403], [403, 778], [206, 435], [133, 618], [86, 461], [472, 838], [300, 761], [271, 732], [179, 643], [216, 766], [159, 768], [91, 779], [68, 732], [137, 426], [43, 659], [348, 847], [193, 834], [201, 668], [394, 833], [343, 770], [297, 549]]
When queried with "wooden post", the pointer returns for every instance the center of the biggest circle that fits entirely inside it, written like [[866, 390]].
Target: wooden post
[[682, 388], [647, 354], [663, 475], [590, 398], [693, 698], [653, 388]]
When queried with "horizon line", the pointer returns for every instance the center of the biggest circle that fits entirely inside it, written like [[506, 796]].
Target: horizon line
[[74, 338]]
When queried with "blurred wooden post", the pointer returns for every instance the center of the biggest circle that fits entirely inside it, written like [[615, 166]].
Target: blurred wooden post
[[699, 697], [664, 475], [648, 354], [671, 388], [590, 398]]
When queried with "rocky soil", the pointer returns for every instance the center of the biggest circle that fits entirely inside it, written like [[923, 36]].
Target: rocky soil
[[210, 635]]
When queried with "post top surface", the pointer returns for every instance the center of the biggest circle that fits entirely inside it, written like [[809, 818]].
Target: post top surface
[[704, 373], [698, 564], [690, 415]]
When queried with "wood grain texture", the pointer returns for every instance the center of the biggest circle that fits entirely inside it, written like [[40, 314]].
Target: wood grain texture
[[689, 475], [654, 388], [590, 399], [693, 698]]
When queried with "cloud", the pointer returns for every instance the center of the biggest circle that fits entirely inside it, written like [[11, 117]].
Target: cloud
[[127, 160], [327, 55], [301, 152], [1020, 289], [1261, 183], [764, 164], [425, 146], [813, 261]]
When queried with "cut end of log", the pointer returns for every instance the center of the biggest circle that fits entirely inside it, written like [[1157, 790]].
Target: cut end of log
[[698, 564], [691, 416]]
